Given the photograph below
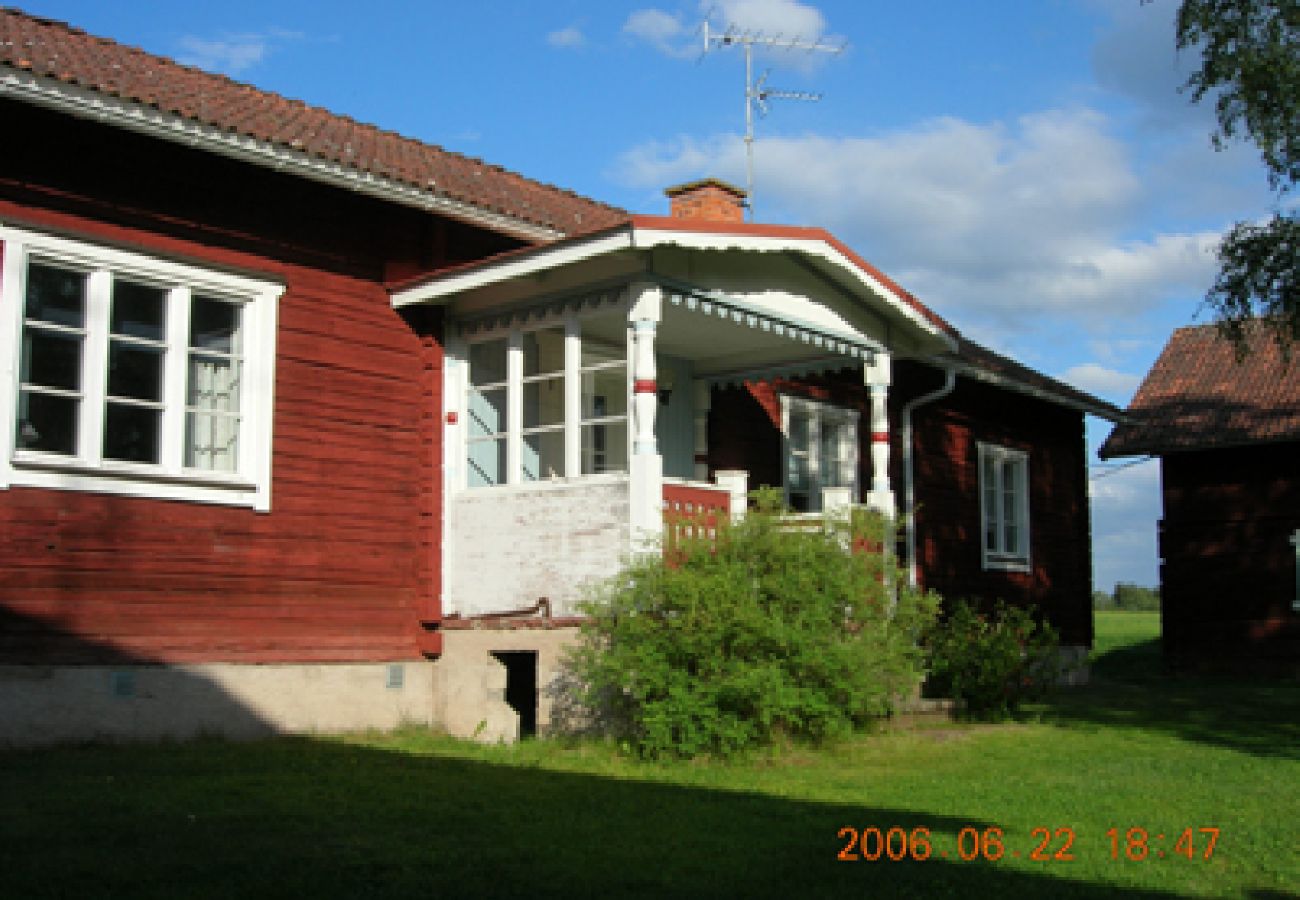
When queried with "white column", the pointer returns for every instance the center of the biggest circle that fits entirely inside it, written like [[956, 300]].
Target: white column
[[572, 397], [877, 375], [736, 483], [514, 407], [646, 468], [702, 397]]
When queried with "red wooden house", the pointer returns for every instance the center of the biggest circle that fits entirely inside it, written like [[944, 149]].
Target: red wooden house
[[1227, 432], [300, 420]]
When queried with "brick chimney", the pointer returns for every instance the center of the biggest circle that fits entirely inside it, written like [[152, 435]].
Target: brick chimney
[[709, 199]]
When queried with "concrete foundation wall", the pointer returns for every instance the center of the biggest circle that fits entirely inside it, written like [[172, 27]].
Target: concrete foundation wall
[[53, 704], [510, 546], [470, 683]]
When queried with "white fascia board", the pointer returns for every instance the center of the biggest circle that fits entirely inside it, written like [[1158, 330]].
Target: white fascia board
[[697, 240], [93, 105], [522, 265]]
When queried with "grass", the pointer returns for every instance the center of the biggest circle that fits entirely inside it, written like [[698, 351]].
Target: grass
[[414, 813]]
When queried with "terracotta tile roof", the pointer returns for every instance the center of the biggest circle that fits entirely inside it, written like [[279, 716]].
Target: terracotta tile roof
[[999, 368], [1198, 396], [57, 51]]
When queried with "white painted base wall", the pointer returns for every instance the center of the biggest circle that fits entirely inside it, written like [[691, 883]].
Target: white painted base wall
[[58, 704], [510, 546]]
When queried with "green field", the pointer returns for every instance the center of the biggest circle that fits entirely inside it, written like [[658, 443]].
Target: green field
[[414, 814]]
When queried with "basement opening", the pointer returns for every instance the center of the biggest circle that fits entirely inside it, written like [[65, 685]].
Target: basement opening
[[521, 687]]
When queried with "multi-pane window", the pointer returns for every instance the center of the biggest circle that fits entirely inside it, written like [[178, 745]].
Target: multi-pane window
[[541, 381], [542, 453], [133, 374], [486, 413], [821, 444], [604, 408], [1004, 507]]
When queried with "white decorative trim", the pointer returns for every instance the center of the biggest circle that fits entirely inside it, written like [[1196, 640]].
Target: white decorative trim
[[250, 485], [114, 111]]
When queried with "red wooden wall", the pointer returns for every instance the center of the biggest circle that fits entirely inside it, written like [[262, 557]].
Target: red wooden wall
[[345, 566], [1227, 576], [744, 432]]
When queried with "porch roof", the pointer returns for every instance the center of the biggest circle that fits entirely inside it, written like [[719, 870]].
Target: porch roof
[[740, 266]]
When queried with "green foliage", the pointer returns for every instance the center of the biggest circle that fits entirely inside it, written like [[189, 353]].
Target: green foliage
[[764, 632], [992, 663], [1137, 599], [1250, 65], [1102, 600]]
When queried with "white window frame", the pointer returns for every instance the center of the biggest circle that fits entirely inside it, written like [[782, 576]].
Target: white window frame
[[819, 412], [87, 470], [1001, 557], [577, 456]]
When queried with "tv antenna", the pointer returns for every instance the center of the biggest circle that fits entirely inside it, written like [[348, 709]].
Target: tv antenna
[[757, 93]]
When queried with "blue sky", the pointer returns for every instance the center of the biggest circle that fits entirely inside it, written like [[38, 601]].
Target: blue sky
[[1027, 167]]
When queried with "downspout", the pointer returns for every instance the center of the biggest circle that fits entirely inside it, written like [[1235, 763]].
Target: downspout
[[909, 476]]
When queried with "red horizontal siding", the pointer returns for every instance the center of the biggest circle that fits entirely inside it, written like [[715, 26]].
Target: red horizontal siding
[[343, 567]]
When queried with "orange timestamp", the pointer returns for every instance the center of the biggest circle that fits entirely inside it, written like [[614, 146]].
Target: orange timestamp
[[895, 844]]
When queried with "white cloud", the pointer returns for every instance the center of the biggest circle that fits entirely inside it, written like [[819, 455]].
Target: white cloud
[[661, 30], [771, 18], [567, 38], [231, 54], [994, 224], [1125, 507], [1097, 379]]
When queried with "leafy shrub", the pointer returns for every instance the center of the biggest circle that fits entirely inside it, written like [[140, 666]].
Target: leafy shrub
[[992, 663], [759, 633], [1133, 597]]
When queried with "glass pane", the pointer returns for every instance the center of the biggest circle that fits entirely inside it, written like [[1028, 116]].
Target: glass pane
[[486, 463], [828, 462], [543, 351], [487, 362], [214, 325], [138, 310], [543, 455], [56, 295], [211, 442], [131, 433], [798, 472], [594, 353], [604, 448], [51, 359], [798, 430], [604, 393], [213, 384], [544, 402], [47, 423], [487, 411], [1011, 546], [135, 372]]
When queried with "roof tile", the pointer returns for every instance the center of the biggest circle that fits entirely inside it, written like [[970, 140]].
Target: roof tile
[[1198, 396], [54, 50]]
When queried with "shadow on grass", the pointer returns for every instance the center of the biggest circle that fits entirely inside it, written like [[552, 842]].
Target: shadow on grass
[[299, 817], [1131, 688]]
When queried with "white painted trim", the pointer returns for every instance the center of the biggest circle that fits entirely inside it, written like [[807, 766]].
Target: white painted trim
[[1000, 454], [87, 471], [114, 111], [537, 260], [648, 238]]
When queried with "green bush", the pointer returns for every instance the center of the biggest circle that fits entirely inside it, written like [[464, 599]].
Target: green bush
[[992, 663], [1133, 597], [763, 632]]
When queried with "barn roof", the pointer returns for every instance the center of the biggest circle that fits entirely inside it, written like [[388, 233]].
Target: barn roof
[[1199, 396]]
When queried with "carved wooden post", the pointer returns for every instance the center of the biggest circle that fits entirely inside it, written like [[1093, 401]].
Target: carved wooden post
[[877, 376], [646, 468]]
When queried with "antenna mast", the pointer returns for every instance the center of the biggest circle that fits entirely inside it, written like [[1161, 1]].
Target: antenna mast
[[758, 93]]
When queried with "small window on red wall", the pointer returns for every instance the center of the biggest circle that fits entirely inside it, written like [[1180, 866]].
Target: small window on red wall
[[1004, 507]]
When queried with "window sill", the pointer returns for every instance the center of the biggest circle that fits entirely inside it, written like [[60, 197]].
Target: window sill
[[27, 469], [1007, 565]]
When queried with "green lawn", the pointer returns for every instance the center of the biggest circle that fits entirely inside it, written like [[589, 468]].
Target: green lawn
[[418, 815]]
